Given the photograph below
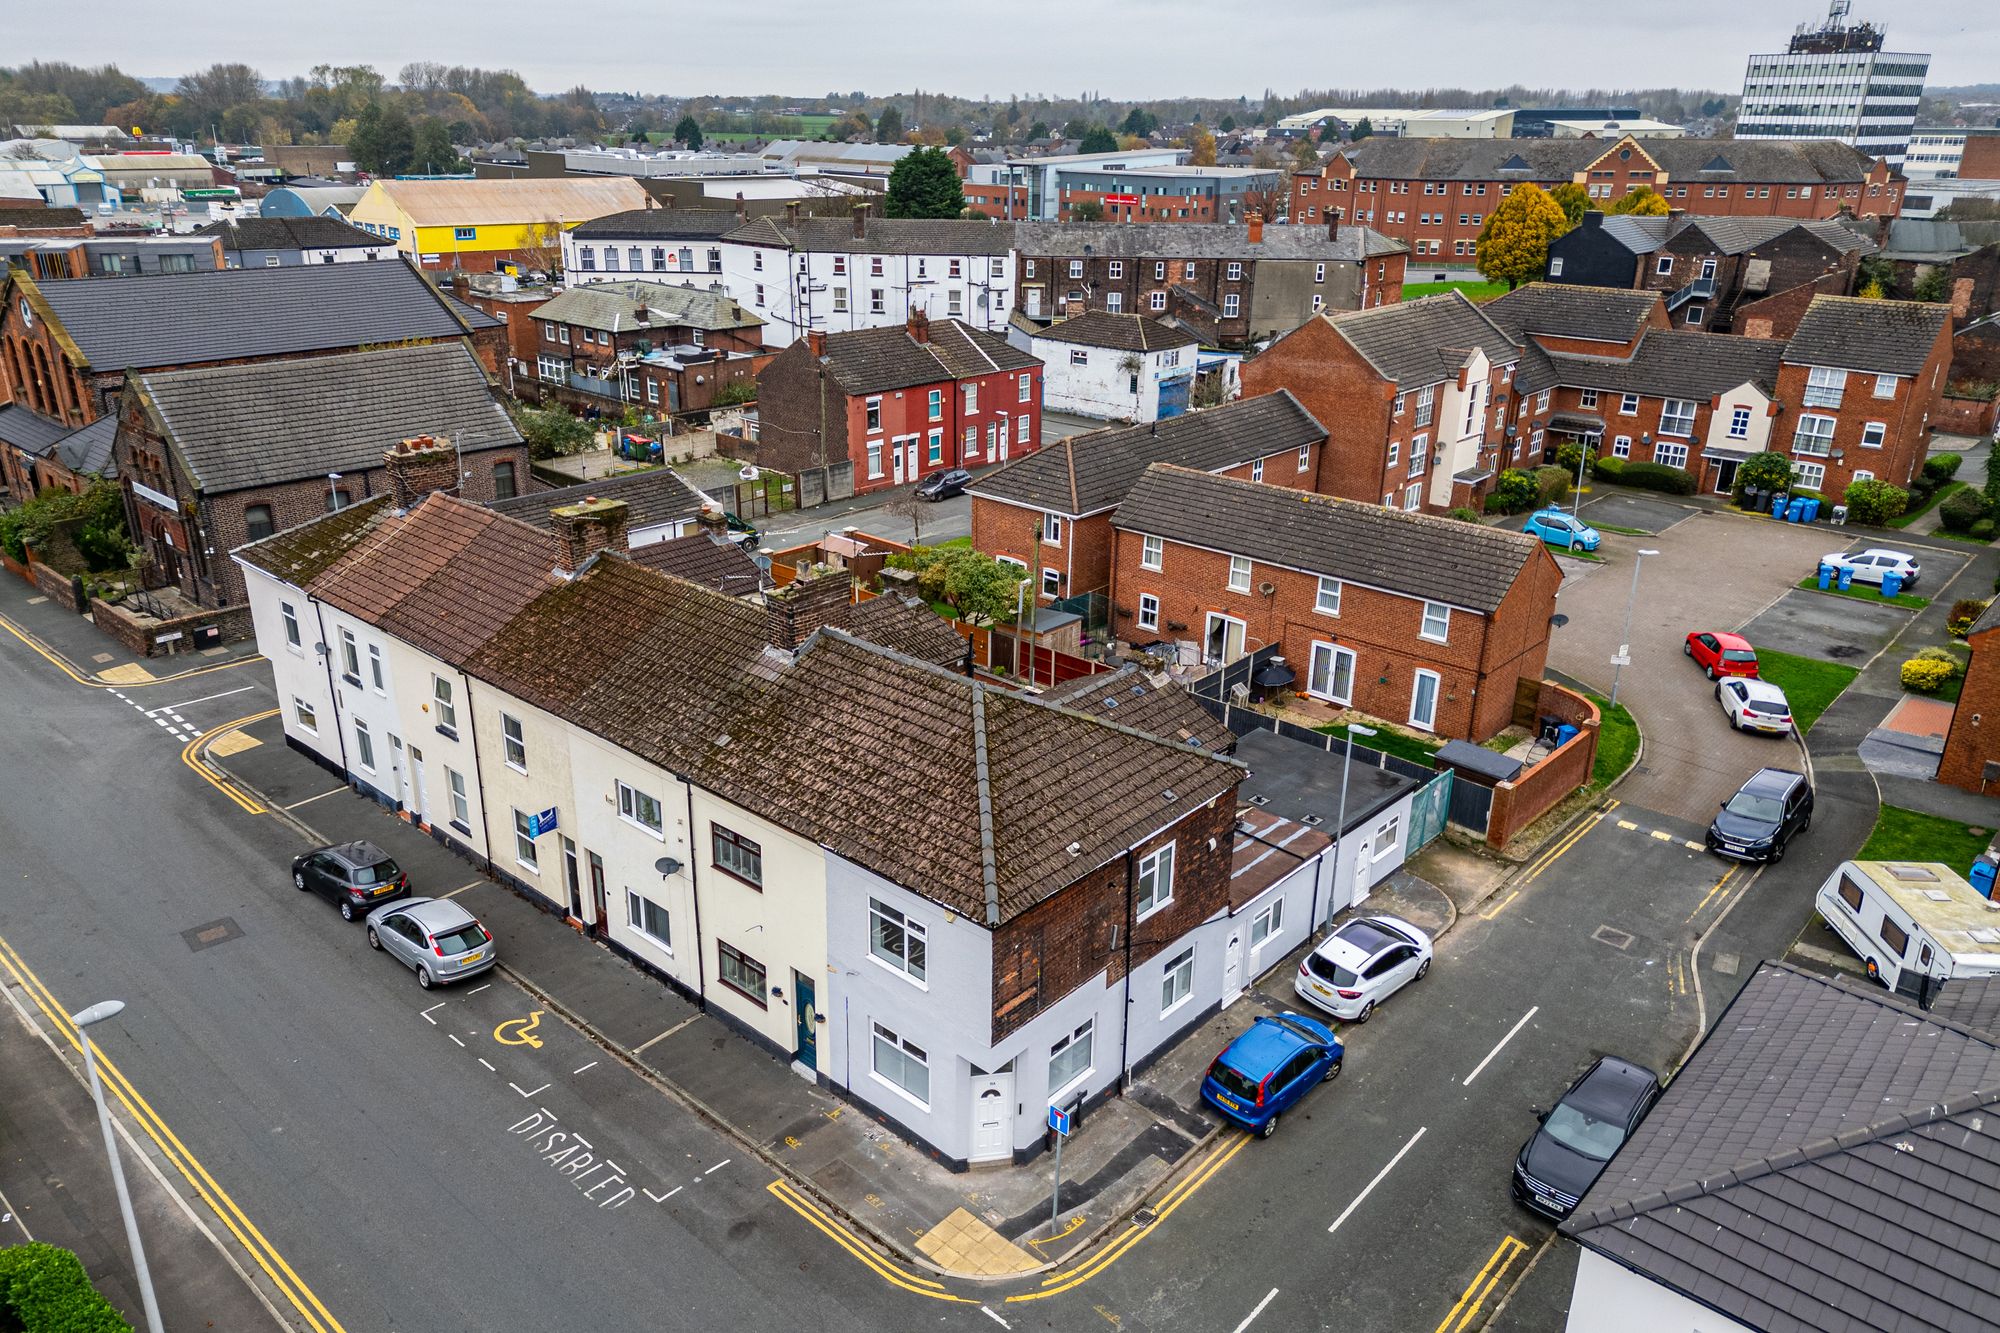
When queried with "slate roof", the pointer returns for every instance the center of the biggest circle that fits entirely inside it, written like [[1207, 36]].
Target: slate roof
[[27, 429], [1828, 1160], [1438, 559], [1083, 474], [616, 307], [699, 558], [1669, 363], [1423, 341], [1972, 1002], [1927, 240], [907, 625], [88, 451], [1602, 314], [687, 224], [41, 219], [298, 555], [1640, 235], [273, 421], [178, 319], [1883, 337], [652, 497], [1200, 240], [1736, 235], [876, 360], [885, 236], [1125, 333], [1686, 161], [1131, 698], [280, 233]]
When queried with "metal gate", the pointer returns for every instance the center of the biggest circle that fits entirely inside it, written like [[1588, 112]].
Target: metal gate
[[1428, 809], [1174, 396], [1471, 806]]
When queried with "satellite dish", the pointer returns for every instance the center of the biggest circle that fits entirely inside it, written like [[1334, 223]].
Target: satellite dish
[[748, 473]]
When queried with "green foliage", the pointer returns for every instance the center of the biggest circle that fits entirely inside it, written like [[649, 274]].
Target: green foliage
[[1765, 472], [889, 126], [1515, 492], [1979, 391], [735, 393], [1362, 129], [1086, 210], [1569, 455], [972, 582], [1874, 503], [1226, 124], [1934, 285], [1574, 201], [1609, 467], [1981, 530], [1513, 245], [383, 143], [1963, 612], [688, 132], [1553, 483], [550, 431], [924, 184], [1877, 272], [1464, 515], [1139, 121], [1098, 139], [1038, 130], [1924, 675], [1658, 477], [1643, 202], [1992, 487], [1958, 511], [45, 1290], [1941, 468], [94, 520], [431, 150]]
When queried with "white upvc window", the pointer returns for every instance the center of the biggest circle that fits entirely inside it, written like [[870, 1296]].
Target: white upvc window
[[1239, 573], [1621, 447], [902, 1065], [1814, 436], [1424, 699], [1808, 476], [1824, 386], [1052, 529], [896, 941], [1177, 981], [1327, 599], [1885, 386], [1330, 673], [1152, 552], [1437, 622], [514, 743], [525, 852], [1149, 611], [1305, 457], [350, 658], [305, 715], [1156, 881], [1027, 382], [1268, 922], [1070, 1059], [1235, 271], [1231, 305], [1677, 417], [447, 711], [638, 808], [461, 805], [1670, 455], [649, 919], [1257, 469], [1873, 434], [291, 616], [1628, 405], [1586, 398], [1739, 423]]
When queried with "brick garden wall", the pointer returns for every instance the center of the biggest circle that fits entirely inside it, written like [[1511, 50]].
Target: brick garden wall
[[1535, 791], [56, 586]]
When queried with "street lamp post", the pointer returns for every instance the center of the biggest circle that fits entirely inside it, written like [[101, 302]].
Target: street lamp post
[[1340, 820], [1625, 638], [97, 1013], [1584, 446]]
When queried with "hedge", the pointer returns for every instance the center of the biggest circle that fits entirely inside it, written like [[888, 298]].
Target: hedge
[[1515, 492], [1658, 477], [1941, 468], [1610, 468], [1553, 483], [1961, 509], [47, 1291], [1924, 676], [1873, 503]]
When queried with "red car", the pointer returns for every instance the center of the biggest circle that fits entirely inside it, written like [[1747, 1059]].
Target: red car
[[1721, 654]]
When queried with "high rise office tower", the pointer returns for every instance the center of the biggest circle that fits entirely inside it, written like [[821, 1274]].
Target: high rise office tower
[[1835, 81]]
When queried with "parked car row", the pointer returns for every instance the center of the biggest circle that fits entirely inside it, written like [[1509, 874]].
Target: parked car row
[[434, 937]]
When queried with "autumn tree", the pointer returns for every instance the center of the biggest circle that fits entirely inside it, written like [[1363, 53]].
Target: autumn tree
[[1201, 148], [924, 184], [1304, 156], [1574, 201], [688, 132], [1513, 245], [1644, 202]]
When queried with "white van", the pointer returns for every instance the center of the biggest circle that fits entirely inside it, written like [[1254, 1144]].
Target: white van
[[1915, 924]]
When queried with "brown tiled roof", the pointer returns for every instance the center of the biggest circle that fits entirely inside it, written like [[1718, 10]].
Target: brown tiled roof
[[908, 626], [699, 558], [1126, 333], [1882, 337], [299, 555], [875, 360], [1130, 698]]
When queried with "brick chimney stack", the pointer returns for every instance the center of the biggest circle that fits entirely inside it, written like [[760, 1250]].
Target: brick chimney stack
[[419, 466], [586, 528], [792, 215], [816, 342], [1256, 227], [920, 326], [816, 597], [742, 207], [713, 523], [861, 212], [1333, 226]]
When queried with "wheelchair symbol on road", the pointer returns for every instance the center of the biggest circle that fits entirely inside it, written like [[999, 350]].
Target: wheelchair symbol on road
[[520, 1031]]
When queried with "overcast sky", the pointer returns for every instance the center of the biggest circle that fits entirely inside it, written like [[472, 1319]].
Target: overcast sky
[[1124, 49]]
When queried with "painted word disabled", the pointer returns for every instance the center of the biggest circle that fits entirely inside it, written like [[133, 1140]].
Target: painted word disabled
[[576, 1158]]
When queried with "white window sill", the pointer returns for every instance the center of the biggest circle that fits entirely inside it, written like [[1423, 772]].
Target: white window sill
[[646, 829], [1421, 726], [1154, 910], [900, 1091], [528, 866], [1230, 587], [295, 650], [1182, 1002], [652, 939], [1323, 611], [1154, 568], [1081, 1080], [887, 966], [1434, 638], [518, 768]]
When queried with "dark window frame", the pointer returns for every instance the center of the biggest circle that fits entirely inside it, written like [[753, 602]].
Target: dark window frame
[[724, 954], [718, 837]]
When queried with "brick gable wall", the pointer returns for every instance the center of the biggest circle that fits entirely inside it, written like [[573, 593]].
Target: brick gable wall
[[1344, 393]]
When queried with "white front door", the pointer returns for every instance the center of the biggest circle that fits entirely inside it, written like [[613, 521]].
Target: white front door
[[1222, 641], [399, 773], [1034, 302], [418, 807], [1363, 860], [992, 1116], [1232, 967], [897, 450]]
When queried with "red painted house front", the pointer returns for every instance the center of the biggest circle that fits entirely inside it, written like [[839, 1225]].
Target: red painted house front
[[898, 403]]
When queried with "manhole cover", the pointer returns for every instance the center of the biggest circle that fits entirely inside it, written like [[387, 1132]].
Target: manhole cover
[[1612, 936], [215, 932], [1144, 1217], [1840, 650], [1727, 963]]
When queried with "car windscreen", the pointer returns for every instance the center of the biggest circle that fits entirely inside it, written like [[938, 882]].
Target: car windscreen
[[1578, 1130], [1738, 655], [468, 936], [1233, 1082], [1751, 806], [1327, 970], [382, 872]]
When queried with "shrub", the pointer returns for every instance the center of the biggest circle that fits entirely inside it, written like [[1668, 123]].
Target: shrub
[[1569, 455], [1941, 468], [1873, 503], [1992, 487], [1515, 492], [94, 521], [551, 431], [1921, 489], [1609, 467], [973, 583], [1964, 611], [1552, 483], [1983, 530], [1464, 515], [1766, 472], [1659, 477], [1961, 509], [1933, 653], [735, 393], [43, 1287], [1926, 675]]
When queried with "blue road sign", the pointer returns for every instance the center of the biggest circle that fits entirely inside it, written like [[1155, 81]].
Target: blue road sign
[[1059, 1120]]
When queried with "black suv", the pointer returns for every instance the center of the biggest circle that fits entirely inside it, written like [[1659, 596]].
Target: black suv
[[1568, 1153], [356, 877], [1760, 820]]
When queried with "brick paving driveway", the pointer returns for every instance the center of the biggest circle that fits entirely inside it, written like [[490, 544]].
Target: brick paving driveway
[[1714, 571]]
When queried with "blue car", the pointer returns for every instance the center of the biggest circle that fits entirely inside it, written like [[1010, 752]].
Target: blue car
[[1558, 528], [1261, 1074]]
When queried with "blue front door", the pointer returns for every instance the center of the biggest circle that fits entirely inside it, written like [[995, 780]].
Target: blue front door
[[1174, 396], [806, 1043]]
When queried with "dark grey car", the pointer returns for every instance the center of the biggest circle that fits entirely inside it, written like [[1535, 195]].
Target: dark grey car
[[439, 939], [356, 877]]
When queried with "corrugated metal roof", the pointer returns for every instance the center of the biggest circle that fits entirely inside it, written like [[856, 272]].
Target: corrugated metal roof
[[498, 202]]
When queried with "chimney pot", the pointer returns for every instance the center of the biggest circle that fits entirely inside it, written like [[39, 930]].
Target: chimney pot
[[417, 467], [1256, 227], [816, 342]]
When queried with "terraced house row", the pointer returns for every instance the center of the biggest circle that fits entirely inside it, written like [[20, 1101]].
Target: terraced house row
[[949, 899]]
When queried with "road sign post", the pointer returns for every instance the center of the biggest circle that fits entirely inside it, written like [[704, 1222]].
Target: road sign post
[[1059, 1122]]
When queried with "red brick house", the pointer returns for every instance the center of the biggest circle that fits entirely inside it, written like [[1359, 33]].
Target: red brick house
[[1052, 512], [1427, 622], [1971, 756], [1435, 194], [1859, 383], [668, 349], [898, 403], [1413, 397]]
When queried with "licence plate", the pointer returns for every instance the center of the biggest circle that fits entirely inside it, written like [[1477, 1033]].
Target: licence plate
[[471, 958], [1546, 1202], [1322, 990], [1231, 1103], [386, 888]]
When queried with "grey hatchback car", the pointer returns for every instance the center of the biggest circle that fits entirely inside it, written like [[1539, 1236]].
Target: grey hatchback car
[[354, 876], [439, 939]]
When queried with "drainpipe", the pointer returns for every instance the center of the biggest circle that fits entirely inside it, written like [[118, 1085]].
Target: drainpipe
[[332, 693], [478, 772], [1125, 1037], [694, 895]]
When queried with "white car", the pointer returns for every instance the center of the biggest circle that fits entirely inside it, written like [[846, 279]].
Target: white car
[[1362, 964], [1869, 565], [1754, 705]]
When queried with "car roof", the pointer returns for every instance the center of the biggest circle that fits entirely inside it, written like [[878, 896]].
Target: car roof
[[1755, 688], [435, 914], [1265, 1045], [1369, 935], [1728, 640], [358, 853], [1613, 1084], [1772, 781]]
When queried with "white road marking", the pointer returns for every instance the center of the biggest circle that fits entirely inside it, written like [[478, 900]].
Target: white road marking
[[616, 1169], [1251, 1318], [1503, 1042], [321, 797], [482, 1060], [718, 1166], [168, 708], [454, 1037], [664, 1035], [427, 1012], [463, 887], [1349, 1210], [524, 1092], [591, 1065], [162, 722], [488, 986], [662, 1198], [1004, 1324]]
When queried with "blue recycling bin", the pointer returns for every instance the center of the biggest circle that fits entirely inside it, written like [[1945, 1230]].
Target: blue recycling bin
[[1795, 511], [1564, 734], [1778, 499], [1846, 577], [1825, 576], [1812, 509], [1892, 583], [1983, 874]]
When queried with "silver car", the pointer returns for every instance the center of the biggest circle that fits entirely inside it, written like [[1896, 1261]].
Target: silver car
[[440, 939]]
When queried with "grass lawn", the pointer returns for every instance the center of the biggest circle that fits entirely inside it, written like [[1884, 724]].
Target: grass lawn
[[1867, 593], [1965, 537], [1905, 835], [1904, 520], [1390, 742], [955, 541], [1623, 532], [1617, 742], [1809, 684], [1474, 291]]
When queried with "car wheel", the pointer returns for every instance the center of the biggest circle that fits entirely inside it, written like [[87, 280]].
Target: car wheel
[[346, 910], [1422, 968], [1874, 970], [1687, 649], [1269, 1128], [424, 977], [1710, 671], [299, 880], [1367, 1012], [1777, 852], [1334, 1072], [374, 941]]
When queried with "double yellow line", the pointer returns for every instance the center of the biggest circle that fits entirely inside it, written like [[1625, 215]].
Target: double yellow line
[[1716, 888], [1173, 1199], [88, 681], [213, 776], [1482, 1286], [266, 1255], [824, 1222]]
